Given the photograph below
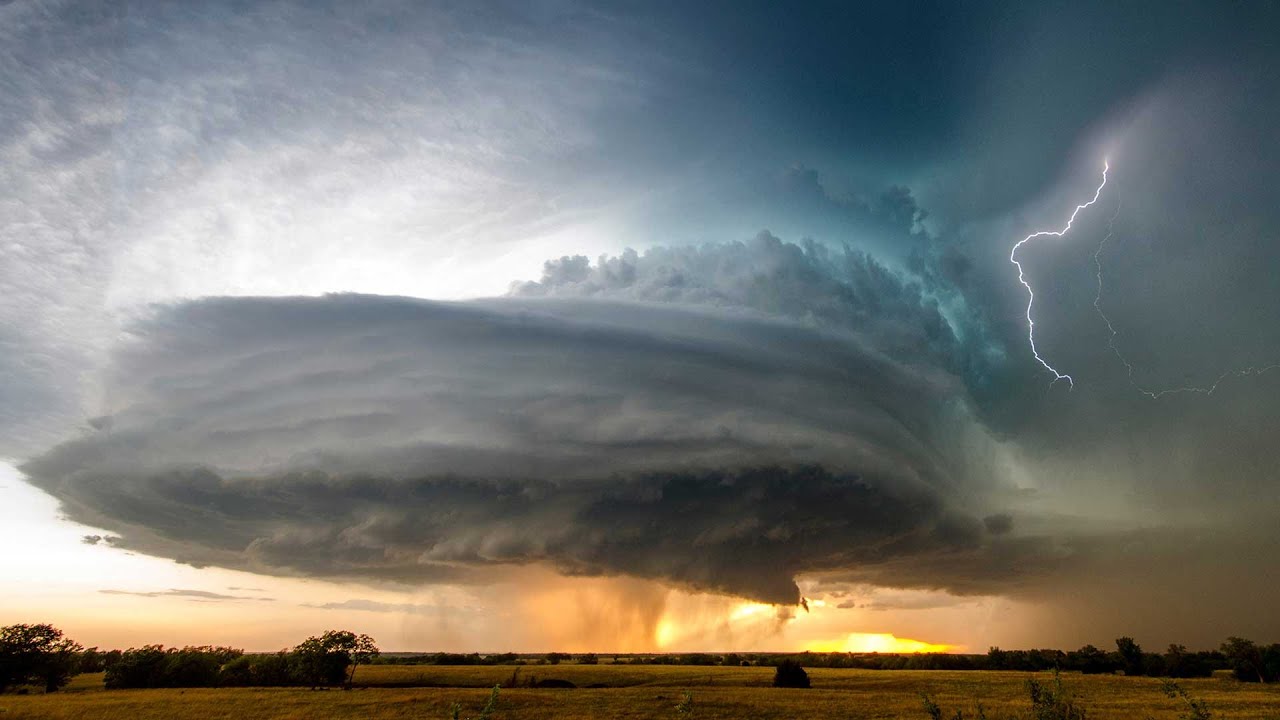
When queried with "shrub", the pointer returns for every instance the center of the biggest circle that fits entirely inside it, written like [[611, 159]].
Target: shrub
[[1052, 702], [789, 674], [685, 706], [1196, 708]]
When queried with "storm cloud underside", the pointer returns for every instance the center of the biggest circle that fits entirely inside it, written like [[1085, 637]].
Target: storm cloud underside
[[396, 439]]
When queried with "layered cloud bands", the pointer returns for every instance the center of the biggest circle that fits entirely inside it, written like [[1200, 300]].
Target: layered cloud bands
[[406, 440]]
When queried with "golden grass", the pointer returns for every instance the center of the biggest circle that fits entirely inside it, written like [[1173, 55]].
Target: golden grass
[[637, 692]]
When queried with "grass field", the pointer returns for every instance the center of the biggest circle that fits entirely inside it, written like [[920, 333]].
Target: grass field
[[731, 693]]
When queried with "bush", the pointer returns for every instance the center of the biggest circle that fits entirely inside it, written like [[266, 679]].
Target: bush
[[1052, 702], [1196, 708], [789, 674]]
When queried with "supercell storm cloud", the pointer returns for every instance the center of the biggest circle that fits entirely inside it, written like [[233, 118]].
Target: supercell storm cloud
[[399, 439], [717, 298]]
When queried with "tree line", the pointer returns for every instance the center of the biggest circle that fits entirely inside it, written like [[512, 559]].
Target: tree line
[[1247, 660], [40, 655]]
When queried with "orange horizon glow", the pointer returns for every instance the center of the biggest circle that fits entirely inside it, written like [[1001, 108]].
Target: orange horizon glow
[[879, 643]]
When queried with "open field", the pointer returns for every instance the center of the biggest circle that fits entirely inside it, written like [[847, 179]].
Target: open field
[[647, 692]]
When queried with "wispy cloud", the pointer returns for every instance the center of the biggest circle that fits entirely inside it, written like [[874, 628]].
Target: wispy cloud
[[379, 607], [201, 595]]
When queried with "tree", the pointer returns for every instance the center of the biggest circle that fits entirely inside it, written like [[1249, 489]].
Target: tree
[[790, 674], [1175, 660], [191, 667], [90, 661], [1246, 659], [1090, 661], [1130, 656], [324, 660], [362, 653], [36, 655], [142, 667]]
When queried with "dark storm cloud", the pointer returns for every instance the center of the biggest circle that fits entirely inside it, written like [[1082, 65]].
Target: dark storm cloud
[[999, 524], [393, 439]]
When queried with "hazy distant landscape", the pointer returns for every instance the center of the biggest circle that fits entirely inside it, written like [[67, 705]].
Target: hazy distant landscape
[[342, 674]]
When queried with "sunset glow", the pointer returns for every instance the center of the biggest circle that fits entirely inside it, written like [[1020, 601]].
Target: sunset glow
[[879, 643]]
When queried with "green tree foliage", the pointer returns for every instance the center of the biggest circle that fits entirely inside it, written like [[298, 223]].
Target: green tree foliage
[[154, 666], [324, 660], [137, 668], [36, 655], [268, 670], [329, 659]]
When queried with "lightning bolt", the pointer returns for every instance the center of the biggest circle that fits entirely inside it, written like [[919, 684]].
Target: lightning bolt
[[1097, 300], [1031, 295], [1111, 341]]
